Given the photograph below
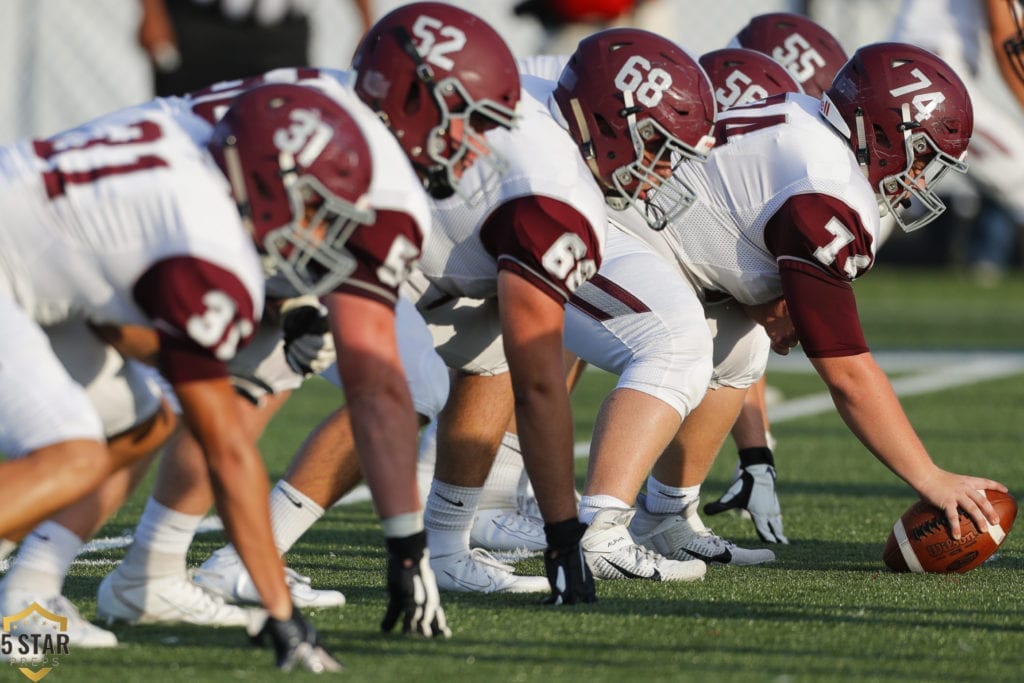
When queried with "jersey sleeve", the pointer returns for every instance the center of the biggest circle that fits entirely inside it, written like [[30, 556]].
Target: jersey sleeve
[[385, 253], [821, 247], [545, 241], [201, 312]]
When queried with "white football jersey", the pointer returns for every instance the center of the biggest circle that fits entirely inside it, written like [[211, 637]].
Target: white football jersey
[[542, 162], [548, 67], [754, 168], [394, 188], [89, 211]]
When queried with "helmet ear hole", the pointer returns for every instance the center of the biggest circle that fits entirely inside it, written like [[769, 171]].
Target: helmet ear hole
[[261, 187], [413, 100], [602, 124], [881, 139]]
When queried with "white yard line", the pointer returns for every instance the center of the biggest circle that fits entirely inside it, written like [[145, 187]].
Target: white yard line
[[932, 371]]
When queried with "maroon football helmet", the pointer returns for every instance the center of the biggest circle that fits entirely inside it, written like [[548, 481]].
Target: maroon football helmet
[[300, 170], [739, 76], [812, 54], [428, 65], [908, 118], [634, 103]]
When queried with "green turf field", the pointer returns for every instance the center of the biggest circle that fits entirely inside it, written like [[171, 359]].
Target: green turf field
[[827, 610]]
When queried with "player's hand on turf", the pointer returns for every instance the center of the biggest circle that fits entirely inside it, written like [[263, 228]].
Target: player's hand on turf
[[753, 490], [296, 644], [308, 341], [568, 573], [412, 589]]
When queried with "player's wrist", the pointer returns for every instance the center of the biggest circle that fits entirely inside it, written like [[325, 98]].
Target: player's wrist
[[409, 547], [564, 534], [756, 456]]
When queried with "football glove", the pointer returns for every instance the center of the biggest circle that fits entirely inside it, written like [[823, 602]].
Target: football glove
[[753, 490], [296, 644], [308, 341], [412, 589], [568, 573]]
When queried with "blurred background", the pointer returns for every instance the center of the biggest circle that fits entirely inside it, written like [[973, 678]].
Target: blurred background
[[63, 62]]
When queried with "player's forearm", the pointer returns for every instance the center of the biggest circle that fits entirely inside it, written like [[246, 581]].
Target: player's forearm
[[240, 486], [385, 428], [239, 482], [869, 406], [544, 420]]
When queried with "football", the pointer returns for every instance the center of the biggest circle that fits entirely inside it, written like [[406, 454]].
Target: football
[[920, 540]]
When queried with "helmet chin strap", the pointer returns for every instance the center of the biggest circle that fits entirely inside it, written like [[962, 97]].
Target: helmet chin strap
[[586, 140], [236, 177], [862, 143]]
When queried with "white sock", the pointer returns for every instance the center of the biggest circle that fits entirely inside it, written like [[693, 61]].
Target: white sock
[[591, 505], [291, 514], [664, 499], [44, 560], [448, 517], [161, 542], [502, 485]]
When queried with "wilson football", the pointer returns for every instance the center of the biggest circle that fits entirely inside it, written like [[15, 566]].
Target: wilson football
[[920, 540]]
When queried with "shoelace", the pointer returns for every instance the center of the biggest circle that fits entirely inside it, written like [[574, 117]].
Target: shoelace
[[292, 577], [642, 555], [517, 521], [201, 595], [481, 556], [706, 534]]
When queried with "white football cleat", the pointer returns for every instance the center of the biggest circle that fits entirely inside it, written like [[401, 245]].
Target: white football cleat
[[684, 537], [613, 554], [164, 600], [224, 575], [477, 571], [81, 632], [507, 530]]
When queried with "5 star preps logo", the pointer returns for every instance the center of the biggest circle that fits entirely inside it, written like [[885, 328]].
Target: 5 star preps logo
[[34, 640]]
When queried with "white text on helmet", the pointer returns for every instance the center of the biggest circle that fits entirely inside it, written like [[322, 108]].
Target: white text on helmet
[[426, 30], [648, 88]]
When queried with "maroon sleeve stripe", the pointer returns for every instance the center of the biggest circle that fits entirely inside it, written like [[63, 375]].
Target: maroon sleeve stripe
[[605, 300]]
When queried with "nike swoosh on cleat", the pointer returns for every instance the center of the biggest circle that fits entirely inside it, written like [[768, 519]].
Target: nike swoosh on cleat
[[457, 504], [656, 576], [724, 557], [472, 586]]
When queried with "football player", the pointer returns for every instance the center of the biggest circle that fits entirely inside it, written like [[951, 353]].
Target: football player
[[812, 55], [737, 76], [775, 235], [741, 76], [635, 101], [464, 266], [144, 226], [437, 102]]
